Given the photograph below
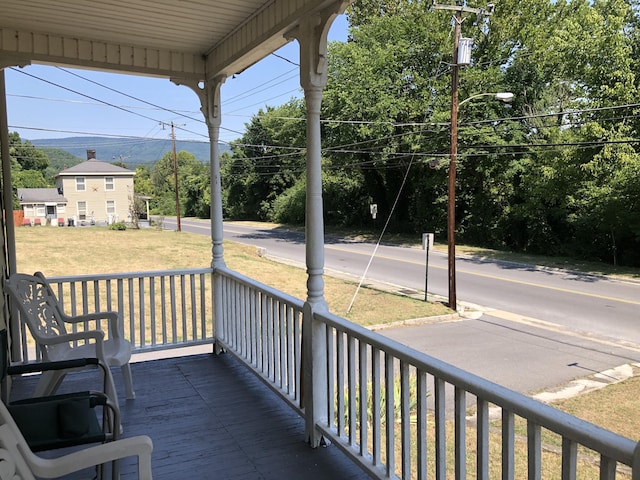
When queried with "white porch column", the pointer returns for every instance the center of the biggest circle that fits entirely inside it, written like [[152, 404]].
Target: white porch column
[[312, 37], [210, 106]]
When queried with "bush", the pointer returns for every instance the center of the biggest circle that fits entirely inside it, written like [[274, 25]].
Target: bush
[[118, 226]]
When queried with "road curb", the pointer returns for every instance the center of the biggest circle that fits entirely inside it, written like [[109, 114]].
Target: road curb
[[591, 383]]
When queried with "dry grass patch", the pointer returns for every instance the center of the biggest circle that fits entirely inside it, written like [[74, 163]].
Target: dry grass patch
[[614, 407], [93, 250]]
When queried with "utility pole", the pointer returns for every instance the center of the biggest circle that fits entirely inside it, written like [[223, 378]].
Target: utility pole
[[175, 172], [451, 204], [451, 210]]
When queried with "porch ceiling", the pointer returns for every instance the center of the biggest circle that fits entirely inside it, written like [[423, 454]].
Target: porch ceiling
[[192, 39]]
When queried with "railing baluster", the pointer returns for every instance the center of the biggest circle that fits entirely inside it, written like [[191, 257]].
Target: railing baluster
[[331, 376], [96, 296], [405, 418], [351, 389], [508, 445], [376, 379], [85, 298], [364, 399], [183, 307], [132, 312], [441, 432], [421, 424], [194, 302], [288, 350], [152, 311], [460, 404], [482, 440], [340, 383], [142, 315], [390, 418], [607, 468], [569, 459], [264, 308], [534, 451]]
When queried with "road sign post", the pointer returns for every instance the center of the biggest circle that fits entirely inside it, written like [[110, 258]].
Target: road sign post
[[427, 244]]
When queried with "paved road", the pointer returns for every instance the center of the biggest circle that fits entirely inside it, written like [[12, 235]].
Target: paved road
[[538, 328]]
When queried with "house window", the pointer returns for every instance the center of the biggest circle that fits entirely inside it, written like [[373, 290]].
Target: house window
[[28, 210], [60, 208], [109, 183], [80, 184], [111, 207], [40, 210], [82, 210]]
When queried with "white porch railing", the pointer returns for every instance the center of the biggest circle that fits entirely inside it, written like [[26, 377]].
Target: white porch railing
[[402, 414], [158, 310], [395, 411], [263, 328]]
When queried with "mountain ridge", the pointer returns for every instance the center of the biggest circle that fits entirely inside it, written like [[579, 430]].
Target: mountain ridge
[[131, 151]]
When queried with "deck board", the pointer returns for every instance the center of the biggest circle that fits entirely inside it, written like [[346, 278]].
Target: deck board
[[209, 417]]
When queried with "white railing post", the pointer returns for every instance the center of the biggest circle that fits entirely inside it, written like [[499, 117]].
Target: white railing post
[[314, 370]]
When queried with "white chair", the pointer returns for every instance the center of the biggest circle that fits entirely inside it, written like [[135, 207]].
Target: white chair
[[18, 462], [41, 312]]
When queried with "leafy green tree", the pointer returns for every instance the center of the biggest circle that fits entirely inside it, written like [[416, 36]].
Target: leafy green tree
[[26, 154], [164, 185], [383, 102], [28, 165], [266, 161]]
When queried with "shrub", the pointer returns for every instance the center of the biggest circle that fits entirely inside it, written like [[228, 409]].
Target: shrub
[[118, 226]]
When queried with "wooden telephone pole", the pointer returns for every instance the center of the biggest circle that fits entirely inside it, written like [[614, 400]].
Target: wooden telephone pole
[[175, 171], [458, 9]]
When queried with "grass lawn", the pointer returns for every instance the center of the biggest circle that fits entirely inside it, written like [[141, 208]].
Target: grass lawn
[[91, 250]]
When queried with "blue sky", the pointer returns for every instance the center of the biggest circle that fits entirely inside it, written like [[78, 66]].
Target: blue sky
[[51, 102]]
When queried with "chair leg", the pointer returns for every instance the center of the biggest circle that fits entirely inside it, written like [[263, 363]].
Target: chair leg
[[48, 383], [128, 381]]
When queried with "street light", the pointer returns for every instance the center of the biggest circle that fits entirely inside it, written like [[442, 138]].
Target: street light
[[502, 96], [451, 212]]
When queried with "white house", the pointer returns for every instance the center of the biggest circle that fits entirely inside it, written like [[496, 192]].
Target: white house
[[42, 206], [97, 191]]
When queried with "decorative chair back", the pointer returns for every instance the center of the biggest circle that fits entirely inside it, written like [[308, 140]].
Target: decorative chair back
[[39, 308]]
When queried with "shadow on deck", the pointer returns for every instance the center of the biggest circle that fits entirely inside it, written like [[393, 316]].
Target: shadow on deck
[[209, 417]]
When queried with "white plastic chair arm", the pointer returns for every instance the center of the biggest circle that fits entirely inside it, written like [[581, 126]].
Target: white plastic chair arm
[[111, 317], [140, 446], [97, 335]]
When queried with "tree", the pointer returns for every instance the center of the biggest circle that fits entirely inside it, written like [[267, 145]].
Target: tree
[[163, 182], [386, 95], [266, 161], [26, 154]]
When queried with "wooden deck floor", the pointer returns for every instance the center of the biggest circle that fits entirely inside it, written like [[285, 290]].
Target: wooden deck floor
[[210, 418]]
